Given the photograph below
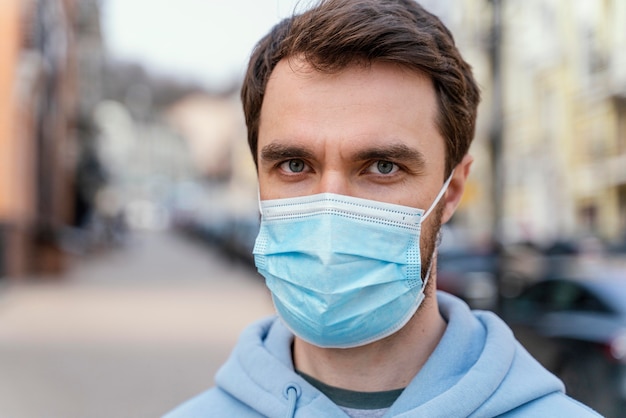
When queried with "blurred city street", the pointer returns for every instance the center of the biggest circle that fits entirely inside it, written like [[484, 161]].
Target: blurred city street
[[109, 124], [130, 332]]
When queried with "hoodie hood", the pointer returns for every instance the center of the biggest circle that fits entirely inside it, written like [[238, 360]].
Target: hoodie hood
[[477, 370]]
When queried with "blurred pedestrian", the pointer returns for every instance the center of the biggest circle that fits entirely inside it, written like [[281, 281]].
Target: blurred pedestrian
[[360, 114]]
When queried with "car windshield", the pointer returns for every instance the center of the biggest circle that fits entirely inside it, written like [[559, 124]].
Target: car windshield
[[614, 292]]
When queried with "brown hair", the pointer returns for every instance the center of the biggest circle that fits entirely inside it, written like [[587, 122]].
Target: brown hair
[[337, 33]]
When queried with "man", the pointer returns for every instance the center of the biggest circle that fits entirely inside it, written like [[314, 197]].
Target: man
[[360, 114]]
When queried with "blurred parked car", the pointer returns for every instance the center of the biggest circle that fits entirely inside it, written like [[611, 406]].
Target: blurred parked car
[[219, 220], [243, 233], [575, 325], [467, 270]]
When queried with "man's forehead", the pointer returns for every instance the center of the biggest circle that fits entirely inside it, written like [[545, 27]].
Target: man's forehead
[[298, 67]]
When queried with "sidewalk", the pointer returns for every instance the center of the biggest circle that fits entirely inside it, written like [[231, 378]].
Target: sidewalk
[[126, 334]]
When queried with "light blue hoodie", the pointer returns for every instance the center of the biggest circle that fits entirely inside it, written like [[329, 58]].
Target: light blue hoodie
[[477, 370]]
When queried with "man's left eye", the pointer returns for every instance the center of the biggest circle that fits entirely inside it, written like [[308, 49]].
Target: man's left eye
[[293, 166], [383, 167]]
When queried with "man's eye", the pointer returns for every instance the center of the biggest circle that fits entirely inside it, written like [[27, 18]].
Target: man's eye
[[294, 166], [383, 167]]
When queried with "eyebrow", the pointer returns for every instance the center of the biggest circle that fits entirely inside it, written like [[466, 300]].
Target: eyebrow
[[277, 152], [393, 152]]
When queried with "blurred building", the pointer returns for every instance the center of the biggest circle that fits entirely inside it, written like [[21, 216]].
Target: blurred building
[[210, 125], [564, 74], [214, 130], [145, 160], [40, 74]]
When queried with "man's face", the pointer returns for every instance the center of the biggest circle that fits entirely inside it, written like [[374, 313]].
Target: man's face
[[366, 132], [363, 132]]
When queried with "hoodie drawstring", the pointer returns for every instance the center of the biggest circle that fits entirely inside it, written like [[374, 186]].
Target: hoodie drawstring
[[292, 393]]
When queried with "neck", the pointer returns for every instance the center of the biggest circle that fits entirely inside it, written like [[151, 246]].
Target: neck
[[388, 364]]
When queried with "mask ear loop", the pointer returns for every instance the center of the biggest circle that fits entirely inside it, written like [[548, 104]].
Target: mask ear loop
[[439, 196], [437, 199], [430, 267]]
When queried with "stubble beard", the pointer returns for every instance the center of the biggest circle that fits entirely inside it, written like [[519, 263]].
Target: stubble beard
[[429, 241]]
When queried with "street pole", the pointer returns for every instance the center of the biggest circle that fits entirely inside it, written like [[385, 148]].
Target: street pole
[[495, 141]]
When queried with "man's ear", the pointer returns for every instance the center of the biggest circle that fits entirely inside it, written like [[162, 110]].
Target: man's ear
[[452, 197]]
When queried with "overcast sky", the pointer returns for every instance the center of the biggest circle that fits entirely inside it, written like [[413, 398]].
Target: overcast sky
[[205, 40]]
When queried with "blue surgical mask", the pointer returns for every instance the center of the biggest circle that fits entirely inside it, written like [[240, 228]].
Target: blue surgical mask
[[343, 271]]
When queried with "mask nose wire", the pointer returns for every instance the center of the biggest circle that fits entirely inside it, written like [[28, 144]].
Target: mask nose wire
[[439, 196]]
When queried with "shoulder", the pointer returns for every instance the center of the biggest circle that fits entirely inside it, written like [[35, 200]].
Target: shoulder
[[212, 403], [556, 404]]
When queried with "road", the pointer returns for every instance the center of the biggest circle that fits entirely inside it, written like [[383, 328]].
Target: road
[[127, 333]]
